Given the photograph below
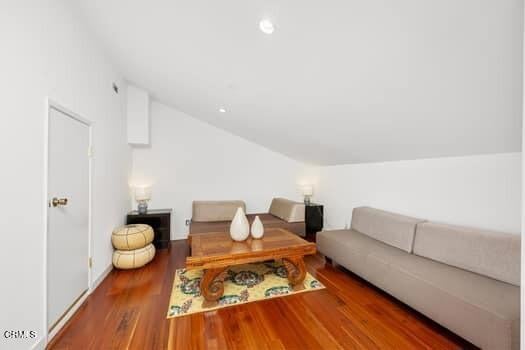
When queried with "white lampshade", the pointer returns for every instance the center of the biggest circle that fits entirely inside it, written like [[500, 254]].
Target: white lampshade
[[142, 193], [307, 190]]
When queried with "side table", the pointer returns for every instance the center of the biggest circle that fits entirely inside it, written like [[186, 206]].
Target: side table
[[159, 220]]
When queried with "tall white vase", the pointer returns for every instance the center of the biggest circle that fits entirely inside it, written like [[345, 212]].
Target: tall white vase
[[257, 228], [240, 227]]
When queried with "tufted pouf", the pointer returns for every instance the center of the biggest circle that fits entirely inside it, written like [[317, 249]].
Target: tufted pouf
[[131, 237], [130, 259]]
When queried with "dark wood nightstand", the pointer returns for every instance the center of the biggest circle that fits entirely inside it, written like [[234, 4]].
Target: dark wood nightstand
[[159, 220], [313, 218]]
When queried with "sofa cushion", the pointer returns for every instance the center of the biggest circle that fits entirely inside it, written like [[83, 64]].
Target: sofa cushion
[[493, 254], [271, 221], [206, 211], [268, 221], [390, 228], [287, 210], [483, 310]]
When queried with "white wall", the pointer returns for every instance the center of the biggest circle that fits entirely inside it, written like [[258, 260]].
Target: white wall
[[46, 52], [191, 160], [480, 191], [137, 115]]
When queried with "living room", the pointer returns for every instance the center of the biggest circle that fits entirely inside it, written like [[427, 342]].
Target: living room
[[262, 175]]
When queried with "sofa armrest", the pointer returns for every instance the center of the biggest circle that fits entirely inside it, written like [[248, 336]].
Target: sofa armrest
[[287, 210]]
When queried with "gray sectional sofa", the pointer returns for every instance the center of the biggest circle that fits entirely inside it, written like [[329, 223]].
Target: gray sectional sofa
[[467, 280]]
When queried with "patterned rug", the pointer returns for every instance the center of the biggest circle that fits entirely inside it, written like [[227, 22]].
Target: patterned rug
[[242, 284]]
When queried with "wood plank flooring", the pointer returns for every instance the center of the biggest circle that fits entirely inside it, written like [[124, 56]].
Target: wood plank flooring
[[128, 311]]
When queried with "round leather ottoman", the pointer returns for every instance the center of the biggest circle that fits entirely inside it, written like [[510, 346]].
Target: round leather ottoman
[[131, 259], [131, 237]]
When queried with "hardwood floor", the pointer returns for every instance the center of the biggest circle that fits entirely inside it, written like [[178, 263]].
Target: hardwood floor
[[128, 311]]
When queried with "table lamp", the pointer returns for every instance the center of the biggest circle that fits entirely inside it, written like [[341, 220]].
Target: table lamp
[[308, 191], [142, 196]]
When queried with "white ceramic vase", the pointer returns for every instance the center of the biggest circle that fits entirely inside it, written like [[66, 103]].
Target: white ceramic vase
[[240, 227], [257, 228]]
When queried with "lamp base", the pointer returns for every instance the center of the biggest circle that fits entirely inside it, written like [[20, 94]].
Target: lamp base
[[142, 207], [307, 200]]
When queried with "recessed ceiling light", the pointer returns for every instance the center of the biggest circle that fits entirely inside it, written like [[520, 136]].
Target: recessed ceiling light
[[222, 110], [266, 26]]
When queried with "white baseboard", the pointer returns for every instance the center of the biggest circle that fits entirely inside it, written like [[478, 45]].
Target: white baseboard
[[100, 278], [40, 344], [67, 316], [179, 237]]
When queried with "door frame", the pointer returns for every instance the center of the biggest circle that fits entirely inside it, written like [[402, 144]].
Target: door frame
[[52, 104]]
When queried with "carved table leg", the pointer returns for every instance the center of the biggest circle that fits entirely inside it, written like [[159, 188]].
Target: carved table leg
[[212, 286], [296, 270]]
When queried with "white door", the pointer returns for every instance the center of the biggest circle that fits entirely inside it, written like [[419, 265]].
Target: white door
[[68, 214]]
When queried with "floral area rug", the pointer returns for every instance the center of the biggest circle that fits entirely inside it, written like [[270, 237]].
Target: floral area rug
[[242, 284]]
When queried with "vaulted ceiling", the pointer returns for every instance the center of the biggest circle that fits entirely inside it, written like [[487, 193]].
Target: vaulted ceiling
[[339, 81]]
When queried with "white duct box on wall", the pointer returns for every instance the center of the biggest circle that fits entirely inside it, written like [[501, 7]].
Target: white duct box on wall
[[137, 109]]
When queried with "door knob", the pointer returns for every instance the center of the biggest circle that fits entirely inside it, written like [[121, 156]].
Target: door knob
[[58, 201]]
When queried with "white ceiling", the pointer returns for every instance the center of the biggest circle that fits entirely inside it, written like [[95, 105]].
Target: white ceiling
[[339, 81]]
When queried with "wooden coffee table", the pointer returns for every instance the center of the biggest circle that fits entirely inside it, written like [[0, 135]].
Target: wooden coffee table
[[215, 252]]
